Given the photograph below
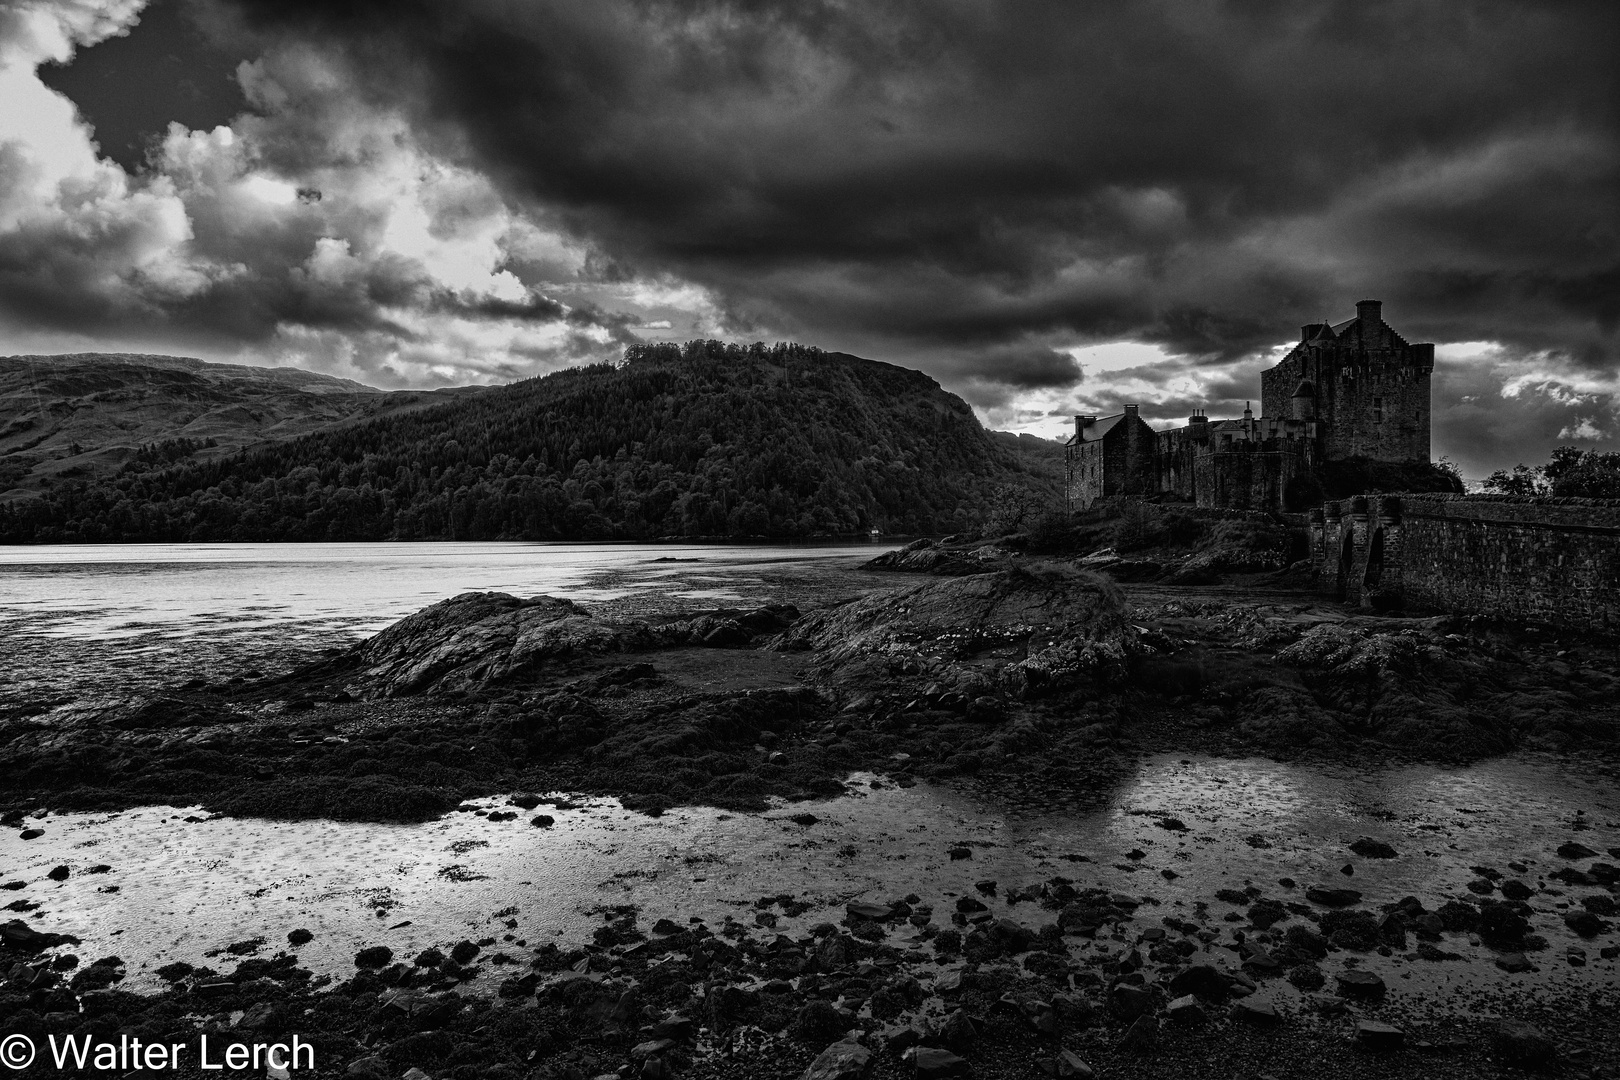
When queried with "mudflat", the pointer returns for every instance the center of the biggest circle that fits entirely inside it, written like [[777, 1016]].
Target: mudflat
[[1036, 684]]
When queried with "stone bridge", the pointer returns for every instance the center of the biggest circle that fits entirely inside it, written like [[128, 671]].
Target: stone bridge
[[1553, 561]]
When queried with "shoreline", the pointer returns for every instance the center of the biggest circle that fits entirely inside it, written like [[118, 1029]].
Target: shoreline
[[740, 710]]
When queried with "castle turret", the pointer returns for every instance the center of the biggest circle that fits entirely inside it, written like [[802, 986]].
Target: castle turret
[[1302, 405]]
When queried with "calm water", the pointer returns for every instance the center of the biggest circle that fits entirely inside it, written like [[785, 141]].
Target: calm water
[[129, 590]]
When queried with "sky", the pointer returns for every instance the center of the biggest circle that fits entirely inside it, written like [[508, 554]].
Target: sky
[[1052, 208]]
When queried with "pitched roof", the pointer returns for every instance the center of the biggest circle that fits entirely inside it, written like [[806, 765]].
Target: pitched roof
[[1102, 426]]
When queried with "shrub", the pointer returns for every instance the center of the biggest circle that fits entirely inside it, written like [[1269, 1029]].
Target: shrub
[[1141, 526]]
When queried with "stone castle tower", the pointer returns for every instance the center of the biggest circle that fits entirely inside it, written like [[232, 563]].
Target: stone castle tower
[[1365, 385]]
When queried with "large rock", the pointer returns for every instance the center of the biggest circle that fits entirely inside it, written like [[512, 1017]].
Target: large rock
[[1256, 1012], [1523, 1044], [1330, 896], [1357, 983], [933, 1062], [944, 560], [1038, 626], [1202, 978], [1377, 1035], [482, 638], [843, 1060], [24, 938]]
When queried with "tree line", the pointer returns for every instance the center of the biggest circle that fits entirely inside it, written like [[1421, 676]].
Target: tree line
[[701, 439], [1591, 474]]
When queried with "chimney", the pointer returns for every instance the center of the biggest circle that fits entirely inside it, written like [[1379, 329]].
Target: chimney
[[1369, 311], [1247, 413], [1131, 410], [1080, 425]]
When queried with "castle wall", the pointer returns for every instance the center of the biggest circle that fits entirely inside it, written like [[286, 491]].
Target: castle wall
[[1545, 560], [1084, 466], [1137, 472], [1174, 461], [1247, 480]]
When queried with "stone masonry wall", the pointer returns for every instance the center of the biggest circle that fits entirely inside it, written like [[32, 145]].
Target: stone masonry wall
[[1546, 560]]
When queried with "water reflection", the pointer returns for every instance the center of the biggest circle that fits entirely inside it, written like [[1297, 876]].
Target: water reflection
[[187, 887]]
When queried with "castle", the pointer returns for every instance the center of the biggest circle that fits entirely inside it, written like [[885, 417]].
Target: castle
[[1356, 389]]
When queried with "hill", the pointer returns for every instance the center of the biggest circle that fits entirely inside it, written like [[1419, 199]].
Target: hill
[[705, 439], [88, 415]]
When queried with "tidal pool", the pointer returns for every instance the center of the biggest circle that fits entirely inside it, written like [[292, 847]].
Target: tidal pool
[[188, 888]]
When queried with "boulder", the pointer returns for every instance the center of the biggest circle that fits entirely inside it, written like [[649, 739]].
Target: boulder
[[377, 956], [1185, 1010], [1357, 983], [1516, 890], [1025, 630], [1368, 848], [930, 1062], [1329, 896], [1377, 1035], [958, 1031], [19, 935], [1585, 924], [843, 1060], [836, 951], [1202, 978], [480, 639], [943, 559], [475, 639], [1573, 850], [1254, 1011], [1522, 1044]]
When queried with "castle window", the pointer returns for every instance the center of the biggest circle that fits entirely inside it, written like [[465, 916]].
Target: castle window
[[1378, 410]]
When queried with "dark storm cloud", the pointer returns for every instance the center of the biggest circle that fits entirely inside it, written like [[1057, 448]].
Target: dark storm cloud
[[902, 176], [133, 86], [1017, 367]]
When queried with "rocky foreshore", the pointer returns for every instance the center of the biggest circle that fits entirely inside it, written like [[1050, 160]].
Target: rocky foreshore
[[1037, 680], [1039, 673], [1050, 978]]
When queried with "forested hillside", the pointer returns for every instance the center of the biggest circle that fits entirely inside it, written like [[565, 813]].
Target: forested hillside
[[87, 415], [706, 439]]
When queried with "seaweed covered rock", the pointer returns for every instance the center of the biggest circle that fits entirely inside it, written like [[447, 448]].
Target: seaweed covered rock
[[944, 558], [479, 639], [1040, 626]]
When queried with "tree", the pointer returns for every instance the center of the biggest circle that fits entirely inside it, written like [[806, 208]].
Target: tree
[[1570, 471]]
